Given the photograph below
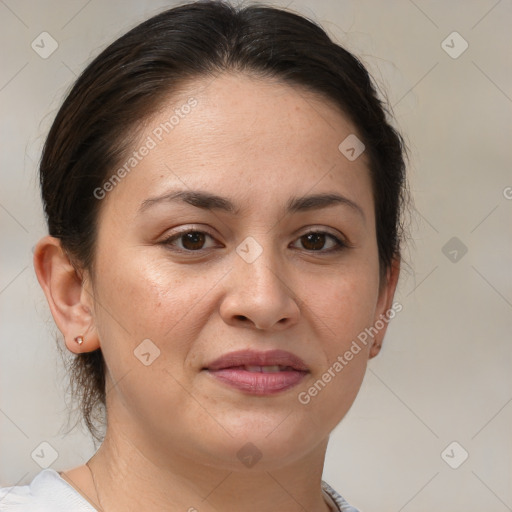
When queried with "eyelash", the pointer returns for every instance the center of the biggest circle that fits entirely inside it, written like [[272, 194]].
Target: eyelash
[[340, 244]]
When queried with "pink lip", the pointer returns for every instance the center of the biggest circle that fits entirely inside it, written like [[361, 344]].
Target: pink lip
[[230, 370], [255, 358]]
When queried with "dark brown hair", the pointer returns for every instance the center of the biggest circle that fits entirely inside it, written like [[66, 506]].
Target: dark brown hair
[[128, 81]]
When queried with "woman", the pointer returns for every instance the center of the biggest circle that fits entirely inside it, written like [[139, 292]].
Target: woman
[[224, 200]]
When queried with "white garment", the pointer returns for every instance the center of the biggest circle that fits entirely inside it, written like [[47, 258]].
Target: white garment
[[49, 492]]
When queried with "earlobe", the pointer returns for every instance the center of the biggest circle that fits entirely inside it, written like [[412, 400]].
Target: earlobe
[[375, 349], [63, 288]]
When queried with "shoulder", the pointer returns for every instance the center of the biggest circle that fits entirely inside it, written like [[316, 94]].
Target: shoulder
[[338, 500], [48, 492]]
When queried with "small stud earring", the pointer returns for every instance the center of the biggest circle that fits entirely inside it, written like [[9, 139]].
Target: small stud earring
[[79, 339]]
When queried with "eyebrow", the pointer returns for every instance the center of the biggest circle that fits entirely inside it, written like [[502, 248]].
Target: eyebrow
[[208, 201]]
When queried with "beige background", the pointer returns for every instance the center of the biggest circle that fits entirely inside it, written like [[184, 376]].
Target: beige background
[[445, 371]]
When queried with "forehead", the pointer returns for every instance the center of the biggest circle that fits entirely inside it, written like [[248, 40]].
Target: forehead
[[234, 109], [240, 135]]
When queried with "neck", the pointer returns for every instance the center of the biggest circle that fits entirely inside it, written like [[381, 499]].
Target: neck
[[131, 476]]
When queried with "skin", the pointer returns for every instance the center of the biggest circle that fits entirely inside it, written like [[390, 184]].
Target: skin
[[173, 430]]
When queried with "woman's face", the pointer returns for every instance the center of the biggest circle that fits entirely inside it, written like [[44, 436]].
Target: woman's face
[[207, 246]]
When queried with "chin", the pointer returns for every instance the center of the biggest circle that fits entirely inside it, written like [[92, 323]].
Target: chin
[[264, 441]]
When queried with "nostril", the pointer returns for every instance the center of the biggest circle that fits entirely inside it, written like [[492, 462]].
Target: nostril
[[241, 317]]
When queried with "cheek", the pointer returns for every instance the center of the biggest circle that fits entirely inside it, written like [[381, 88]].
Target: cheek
[[148, 298], [146, 295], [341, 313], [345, 303], [146, 301]]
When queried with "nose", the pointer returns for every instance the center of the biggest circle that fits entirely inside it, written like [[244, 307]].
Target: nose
[[260, 295]]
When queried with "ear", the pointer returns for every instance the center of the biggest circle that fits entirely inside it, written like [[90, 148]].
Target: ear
[[70, 300], [384, 311]]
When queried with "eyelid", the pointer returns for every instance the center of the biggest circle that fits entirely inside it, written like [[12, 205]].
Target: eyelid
[[189, 229], [341, 241], [327, 231]]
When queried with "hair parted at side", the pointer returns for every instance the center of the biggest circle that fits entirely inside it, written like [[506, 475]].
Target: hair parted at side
[[128, 81]]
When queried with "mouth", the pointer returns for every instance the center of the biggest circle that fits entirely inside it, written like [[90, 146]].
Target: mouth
[[258, 373]]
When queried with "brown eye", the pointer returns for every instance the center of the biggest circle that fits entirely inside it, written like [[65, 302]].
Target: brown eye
[[313, 241], [193, 240], [319, 241], [188, 240]]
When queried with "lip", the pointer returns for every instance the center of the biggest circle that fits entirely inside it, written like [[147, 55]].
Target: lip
[[229, 369], [256, 358]]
